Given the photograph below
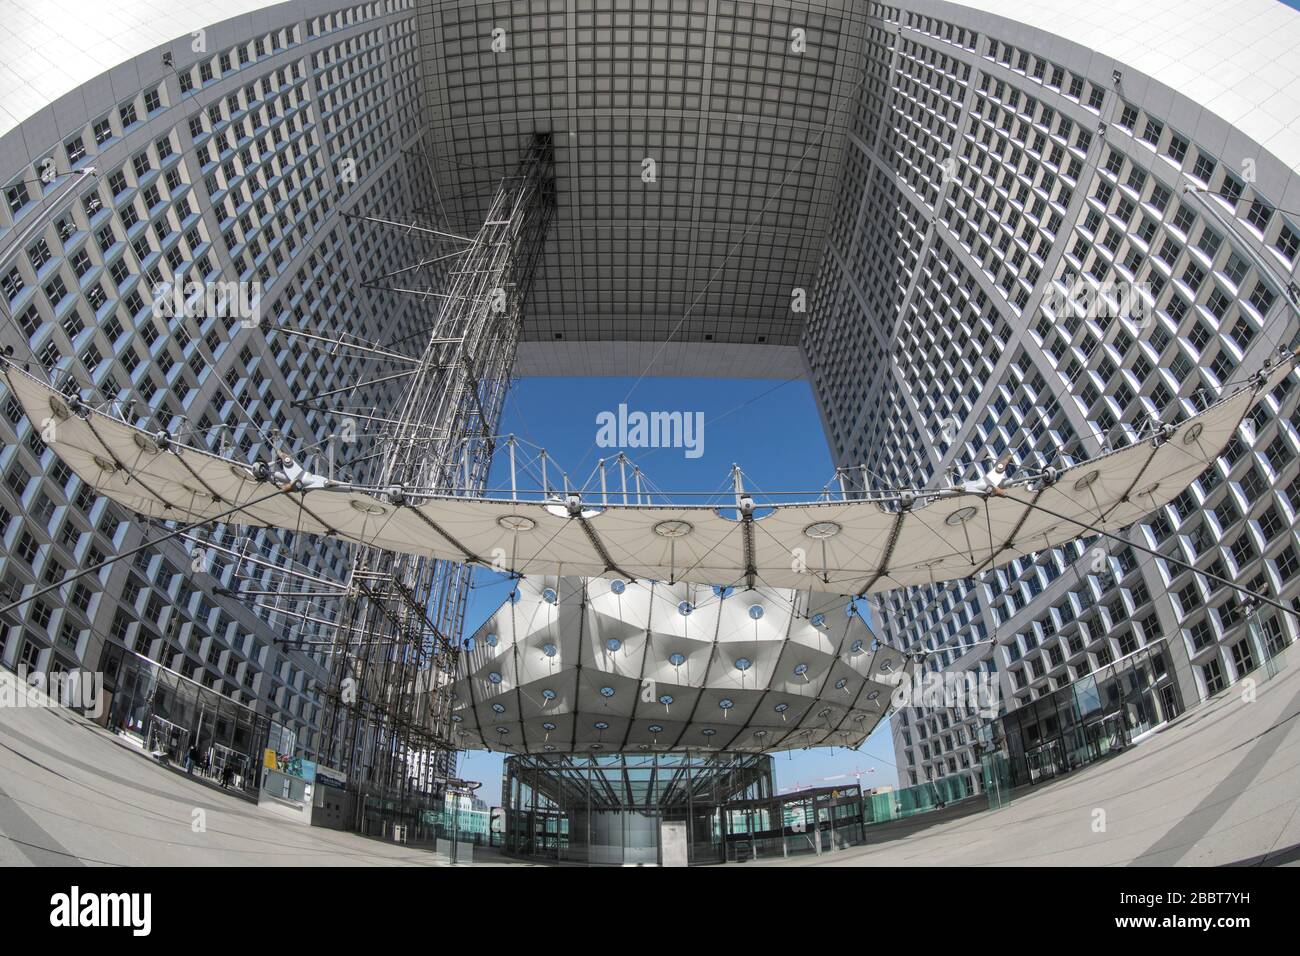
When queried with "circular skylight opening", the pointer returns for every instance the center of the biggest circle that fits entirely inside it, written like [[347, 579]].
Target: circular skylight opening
[[516, 523], [456, 718], [503, 731], [723, 590], [801, 669], [656, 729], [368, 508], [499, 708], [743, 663], [494, 677], [873, 695], [726, 703], [613, 644], [607, 692], [685, 608], [548, 694], [491, 640], [756, 611], [549, 596], [548, 726], [1193, 433], [1087, 480], [856, 648], [820, 530], [677, 659], [665, 699], [601, 725], [708, 731], [818, 620], [618, 587], [841, 683], [550, 650], [673, 529], [103, 464], [548, 747], [781, 708]]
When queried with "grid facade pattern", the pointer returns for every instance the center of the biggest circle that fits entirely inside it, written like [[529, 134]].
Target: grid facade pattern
[[745, 135], [233, 166], [991, 181]]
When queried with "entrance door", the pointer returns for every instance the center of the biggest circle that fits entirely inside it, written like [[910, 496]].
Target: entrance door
[[1169, 697], [673, 843]]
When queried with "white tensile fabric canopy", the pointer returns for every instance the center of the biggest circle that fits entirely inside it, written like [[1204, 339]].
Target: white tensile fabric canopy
[[850, 547]]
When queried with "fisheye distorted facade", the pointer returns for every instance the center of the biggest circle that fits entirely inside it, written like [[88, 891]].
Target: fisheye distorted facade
[[997, 166], [938, 178]]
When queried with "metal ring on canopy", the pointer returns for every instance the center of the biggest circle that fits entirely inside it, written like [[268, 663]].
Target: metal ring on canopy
[[961, 515], [516, 523], [145, 443], [673, 529], [822, 530]]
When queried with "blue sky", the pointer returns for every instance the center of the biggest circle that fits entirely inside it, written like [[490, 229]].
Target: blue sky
[[769, 427]]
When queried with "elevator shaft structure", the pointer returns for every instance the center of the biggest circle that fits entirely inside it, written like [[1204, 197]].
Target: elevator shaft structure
[[388, 708]]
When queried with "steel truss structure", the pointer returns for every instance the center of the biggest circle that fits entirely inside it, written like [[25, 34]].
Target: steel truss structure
[[393, 654]]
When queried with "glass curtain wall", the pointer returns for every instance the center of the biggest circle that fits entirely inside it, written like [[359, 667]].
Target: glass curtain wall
[[896, 804], [1093, 717], [610, 808], [177, 717], [818, 820]]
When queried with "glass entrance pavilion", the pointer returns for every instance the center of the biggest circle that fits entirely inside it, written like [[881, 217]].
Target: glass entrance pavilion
[[625, 808]]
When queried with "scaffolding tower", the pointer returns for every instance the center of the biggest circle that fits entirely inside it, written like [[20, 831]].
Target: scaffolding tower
[[393, 655]]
